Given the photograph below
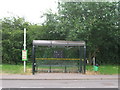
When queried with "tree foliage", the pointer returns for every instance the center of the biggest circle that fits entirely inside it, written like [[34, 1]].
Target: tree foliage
[[12, 38], [94, 22], [97, 23]]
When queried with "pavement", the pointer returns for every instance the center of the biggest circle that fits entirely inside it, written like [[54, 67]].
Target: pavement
[[59, 76]]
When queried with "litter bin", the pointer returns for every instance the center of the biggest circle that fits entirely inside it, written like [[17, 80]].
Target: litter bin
[[95, 67]]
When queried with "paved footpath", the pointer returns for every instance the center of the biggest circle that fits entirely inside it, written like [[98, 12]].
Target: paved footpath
[[59, 76]]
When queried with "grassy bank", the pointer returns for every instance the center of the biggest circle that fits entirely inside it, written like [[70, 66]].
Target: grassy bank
[[18, 69]]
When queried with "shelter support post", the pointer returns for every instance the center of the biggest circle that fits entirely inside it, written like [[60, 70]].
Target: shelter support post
[[84, 60], [80, 61], [49, 69], [80, 69], [65, 69], [33, 57]]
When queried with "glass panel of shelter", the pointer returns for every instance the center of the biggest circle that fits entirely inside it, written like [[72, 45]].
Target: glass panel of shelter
[[60, 52]]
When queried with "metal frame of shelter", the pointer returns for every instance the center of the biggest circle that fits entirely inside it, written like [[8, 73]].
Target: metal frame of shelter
[[58, 43]]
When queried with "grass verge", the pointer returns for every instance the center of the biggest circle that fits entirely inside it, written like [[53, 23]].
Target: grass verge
[[105, 69], [18, 69], [15, 69]]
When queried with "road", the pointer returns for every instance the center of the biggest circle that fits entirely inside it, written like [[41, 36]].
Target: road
[[59, 83]]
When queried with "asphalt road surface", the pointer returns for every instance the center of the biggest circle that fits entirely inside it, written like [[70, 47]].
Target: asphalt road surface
[[59, 83]]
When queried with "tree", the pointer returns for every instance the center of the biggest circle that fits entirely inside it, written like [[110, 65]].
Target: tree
[[12, 38], [94, 22]]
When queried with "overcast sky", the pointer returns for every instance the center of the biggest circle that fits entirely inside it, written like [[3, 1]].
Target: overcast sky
[[31, 10]]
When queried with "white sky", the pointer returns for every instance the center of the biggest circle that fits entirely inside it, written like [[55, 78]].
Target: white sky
[[31, 10]]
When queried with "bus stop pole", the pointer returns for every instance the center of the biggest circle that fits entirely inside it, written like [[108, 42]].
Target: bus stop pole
[[24, 48]]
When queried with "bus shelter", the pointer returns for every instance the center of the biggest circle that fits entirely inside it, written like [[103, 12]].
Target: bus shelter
[[58, 55]]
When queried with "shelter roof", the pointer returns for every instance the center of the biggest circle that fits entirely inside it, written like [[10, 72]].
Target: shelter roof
[[57, 43]]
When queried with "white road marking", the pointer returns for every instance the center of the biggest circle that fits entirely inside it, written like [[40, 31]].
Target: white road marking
[[75, 80], [110, 86], [32, 87], [73, 87]]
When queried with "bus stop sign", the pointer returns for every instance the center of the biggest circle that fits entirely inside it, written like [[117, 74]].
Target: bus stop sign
[[24, 55]]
